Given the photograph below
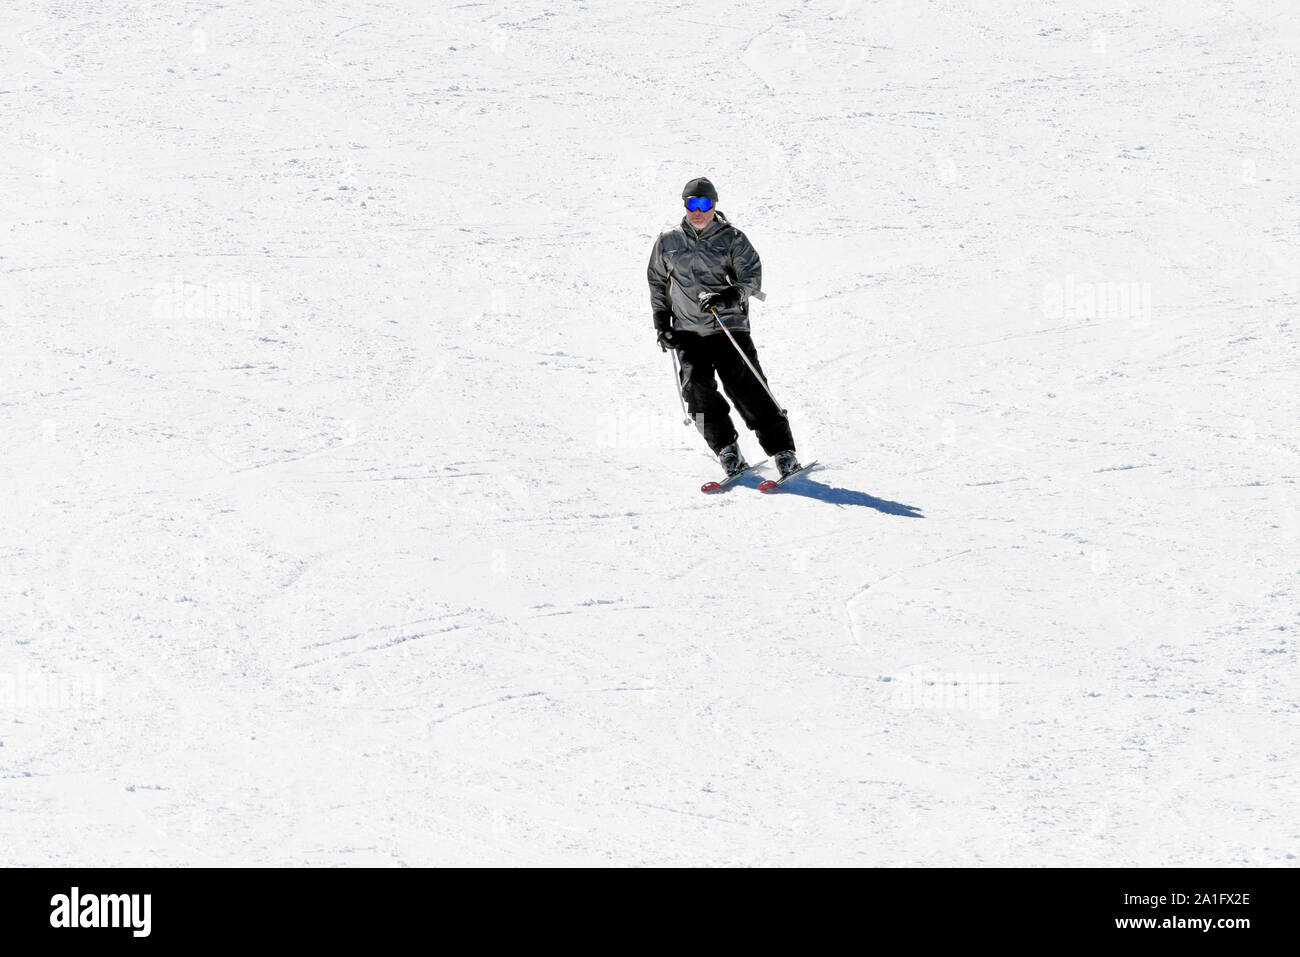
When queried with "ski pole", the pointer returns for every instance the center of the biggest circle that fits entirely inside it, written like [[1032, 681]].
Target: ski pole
[[757, 375], [677, 378]]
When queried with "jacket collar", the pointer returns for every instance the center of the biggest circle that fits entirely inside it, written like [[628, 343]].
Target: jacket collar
[[714, 225]]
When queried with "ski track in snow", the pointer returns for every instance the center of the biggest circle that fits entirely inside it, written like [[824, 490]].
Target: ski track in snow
[[349, 515]]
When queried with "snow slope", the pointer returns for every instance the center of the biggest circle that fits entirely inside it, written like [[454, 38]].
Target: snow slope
[[349, 517]]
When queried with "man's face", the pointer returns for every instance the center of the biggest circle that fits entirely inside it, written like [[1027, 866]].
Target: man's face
[[699, 218]]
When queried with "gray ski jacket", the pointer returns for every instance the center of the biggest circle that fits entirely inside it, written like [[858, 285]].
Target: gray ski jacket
[[684, 263]]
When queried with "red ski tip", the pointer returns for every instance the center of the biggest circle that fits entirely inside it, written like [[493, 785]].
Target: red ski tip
[[710, 487], [768, 486]]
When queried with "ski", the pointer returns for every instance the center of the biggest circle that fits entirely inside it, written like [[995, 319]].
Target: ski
[[771, 485], [710, 487]]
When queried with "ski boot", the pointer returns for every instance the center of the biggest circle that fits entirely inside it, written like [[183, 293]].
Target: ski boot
[[786, 463], [731, 459]]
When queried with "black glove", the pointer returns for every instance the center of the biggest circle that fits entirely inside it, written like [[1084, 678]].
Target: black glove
[[729, 298], [664, 326]]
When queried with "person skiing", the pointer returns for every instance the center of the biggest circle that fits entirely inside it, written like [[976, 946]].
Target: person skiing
[[702, 273]]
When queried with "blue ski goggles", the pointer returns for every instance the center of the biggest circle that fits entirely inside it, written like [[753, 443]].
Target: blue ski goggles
[[699, 204]]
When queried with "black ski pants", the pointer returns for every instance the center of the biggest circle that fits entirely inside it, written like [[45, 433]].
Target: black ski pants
[[702, 356]]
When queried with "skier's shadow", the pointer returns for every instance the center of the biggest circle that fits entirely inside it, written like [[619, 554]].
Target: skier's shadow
[[811, 488]]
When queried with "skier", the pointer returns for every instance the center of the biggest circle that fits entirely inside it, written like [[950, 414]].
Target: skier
[[702, 273]]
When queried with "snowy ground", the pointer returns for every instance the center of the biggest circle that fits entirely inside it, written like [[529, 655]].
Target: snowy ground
[[348, 517]]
